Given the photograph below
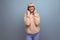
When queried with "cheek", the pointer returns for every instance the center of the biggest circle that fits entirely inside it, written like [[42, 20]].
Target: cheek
[[32, 8], [29, 8]]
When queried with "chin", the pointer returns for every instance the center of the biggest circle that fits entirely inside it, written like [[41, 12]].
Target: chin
[[31, 11]]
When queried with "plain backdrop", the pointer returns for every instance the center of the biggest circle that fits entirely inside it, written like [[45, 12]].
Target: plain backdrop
[[12, 19]]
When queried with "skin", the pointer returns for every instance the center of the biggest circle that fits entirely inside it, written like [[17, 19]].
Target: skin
[[31, 9]]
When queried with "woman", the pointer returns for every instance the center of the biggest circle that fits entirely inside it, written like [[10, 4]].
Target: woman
[[32, 21]]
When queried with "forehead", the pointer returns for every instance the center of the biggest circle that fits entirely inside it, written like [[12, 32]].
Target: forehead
[[31, 6]]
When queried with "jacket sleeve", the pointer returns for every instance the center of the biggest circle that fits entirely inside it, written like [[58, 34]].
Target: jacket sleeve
[[26, 20], [37, 19]]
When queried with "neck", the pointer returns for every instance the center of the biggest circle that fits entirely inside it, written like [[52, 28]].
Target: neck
[[32, 13]]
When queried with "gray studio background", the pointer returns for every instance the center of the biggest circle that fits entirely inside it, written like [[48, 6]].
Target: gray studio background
[[12, 24]]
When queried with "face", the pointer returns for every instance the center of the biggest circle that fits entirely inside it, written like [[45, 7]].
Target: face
[[31, 9]]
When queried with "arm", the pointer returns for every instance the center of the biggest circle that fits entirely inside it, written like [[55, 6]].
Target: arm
[[26, 20], [37, 19]]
